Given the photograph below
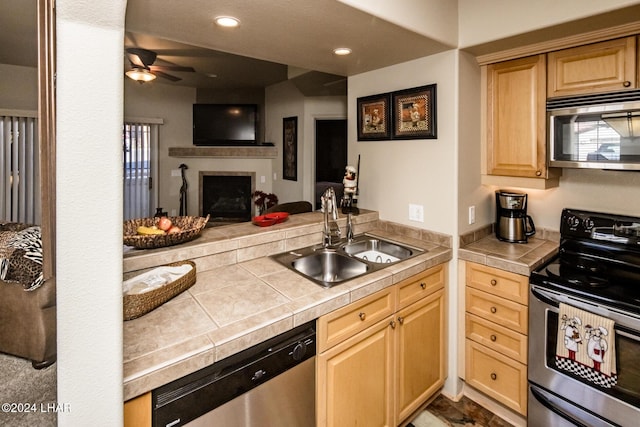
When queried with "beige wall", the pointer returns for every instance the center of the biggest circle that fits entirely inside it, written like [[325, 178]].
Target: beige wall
[[18, 87], [489, 20]]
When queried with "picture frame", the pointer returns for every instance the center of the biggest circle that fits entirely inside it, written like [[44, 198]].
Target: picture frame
[[373, 117], [290, 148], [414, 113]]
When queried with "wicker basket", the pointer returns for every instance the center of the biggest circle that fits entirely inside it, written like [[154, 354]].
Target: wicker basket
[[136, 305], [191, 227]]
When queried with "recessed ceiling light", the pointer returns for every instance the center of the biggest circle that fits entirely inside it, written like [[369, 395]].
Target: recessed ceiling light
[[341, 51], [227, 21]]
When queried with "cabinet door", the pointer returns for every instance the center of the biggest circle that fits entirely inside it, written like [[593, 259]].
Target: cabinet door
[[421, 352], [355, 380], [137, 411], [516, 130], [598, 67]]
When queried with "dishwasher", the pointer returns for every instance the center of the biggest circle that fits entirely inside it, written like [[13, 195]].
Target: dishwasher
[[269, 384]]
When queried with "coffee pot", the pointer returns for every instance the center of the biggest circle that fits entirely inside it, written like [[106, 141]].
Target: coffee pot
[[512, 222]]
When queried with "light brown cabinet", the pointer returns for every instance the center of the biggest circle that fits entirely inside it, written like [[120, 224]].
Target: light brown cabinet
[[137, 411], [516, 118], [598, 67], [496, 328], [380, 373]]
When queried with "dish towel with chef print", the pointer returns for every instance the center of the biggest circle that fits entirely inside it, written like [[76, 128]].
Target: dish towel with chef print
[[586, 346]]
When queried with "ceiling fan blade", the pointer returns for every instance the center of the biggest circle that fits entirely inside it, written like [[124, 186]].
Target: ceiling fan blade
[[166, 76], [141, 57], [172, 68]]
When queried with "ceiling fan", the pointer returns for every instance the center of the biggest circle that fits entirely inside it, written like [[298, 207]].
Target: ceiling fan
[[143, 70]]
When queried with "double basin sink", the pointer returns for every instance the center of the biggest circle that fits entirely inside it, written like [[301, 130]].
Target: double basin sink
[[345, 261]]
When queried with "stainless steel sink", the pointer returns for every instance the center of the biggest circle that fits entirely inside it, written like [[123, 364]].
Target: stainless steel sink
[[345, 261], [324, 266], [377, 250]]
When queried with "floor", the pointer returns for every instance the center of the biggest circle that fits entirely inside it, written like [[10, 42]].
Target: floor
[[465, 413]]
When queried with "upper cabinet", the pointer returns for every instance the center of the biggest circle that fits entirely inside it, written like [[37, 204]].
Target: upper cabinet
[[515, 125], [598, 67]]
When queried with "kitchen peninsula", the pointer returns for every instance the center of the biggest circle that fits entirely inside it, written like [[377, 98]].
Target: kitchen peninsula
[[242, 297]]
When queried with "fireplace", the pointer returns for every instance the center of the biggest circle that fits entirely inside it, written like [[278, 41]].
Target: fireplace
[[226, 196]]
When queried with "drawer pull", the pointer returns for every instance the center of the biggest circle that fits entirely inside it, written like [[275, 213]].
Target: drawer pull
[[423, 285], [494, 310], [401, 320], [494, 376], [362, 315], [494, 282], [493, 338], [626, 83], [392, 324]]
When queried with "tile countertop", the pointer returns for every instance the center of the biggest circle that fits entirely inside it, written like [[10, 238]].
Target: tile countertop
[[519, 258], [242, 297]]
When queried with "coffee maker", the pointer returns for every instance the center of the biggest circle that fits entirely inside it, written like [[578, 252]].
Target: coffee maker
[[512, 222]]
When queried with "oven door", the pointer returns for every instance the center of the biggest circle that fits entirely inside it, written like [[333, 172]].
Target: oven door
[[618, 405]]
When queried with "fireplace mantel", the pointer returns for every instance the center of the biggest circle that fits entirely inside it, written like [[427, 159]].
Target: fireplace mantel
[[240, 152]]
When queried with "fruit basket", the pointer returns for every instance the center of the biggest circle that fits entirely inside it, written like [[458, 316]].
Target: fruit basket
[[138, 304], [190, 226]]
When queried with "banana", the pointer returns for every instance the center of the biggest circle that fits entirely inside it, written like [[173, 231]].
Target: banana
[[149, 230]]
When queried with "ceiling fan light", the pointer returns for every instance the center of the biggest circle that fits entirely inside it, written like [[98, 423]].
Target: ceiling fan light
[[140, 75], [227, 21]]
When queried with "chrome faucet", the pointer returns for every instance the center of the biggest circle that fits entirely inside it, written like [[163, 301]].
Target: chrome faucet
[[349, 228], [330, 207]]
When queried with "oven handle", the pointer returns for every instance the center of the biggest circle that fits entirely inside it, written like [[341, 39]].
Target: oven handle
[[621, 321], [539, 396]]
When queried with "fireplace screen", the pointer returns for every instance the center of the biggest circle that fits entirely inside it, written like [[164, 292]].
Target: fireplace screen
[[226, 198]]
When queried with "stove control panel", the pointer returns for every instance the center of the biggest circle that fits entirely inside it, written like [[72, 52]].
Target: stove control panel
[[600, 226]]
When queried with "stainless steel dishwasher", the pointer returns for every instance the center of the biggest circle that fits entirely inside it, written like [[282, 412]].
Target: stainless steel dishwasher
[[270, 384]]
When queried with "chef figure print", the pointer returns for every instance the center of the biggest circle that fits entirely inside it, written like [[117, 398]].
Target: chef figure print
[[596, 345], [572, 336]]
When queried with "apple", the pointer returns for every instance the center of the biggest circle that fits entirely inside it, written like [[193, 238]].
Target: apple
[[164, 223], [174, 229]]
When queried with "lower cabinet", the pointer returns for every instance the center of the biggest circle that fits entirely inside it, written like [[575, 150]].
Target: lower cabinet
[[496, 328], [137, 411], [390, 361]]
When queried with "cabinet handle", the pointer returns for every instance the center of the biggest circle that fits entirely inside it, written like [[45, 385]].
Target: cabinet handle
[[494, 376], [392, 324], [362, 315], [538, 172], [401, 320], [494, 282], [493, 310], [626, 83], [423, 285], [493, 337]]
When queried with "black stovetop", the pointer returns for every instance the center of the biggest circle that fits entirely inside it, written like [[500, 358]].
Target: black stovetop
[[598, 259]]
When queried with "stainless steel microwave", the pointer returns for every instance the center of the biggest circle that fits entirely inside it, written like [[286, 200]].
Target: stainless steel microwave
[[595, 131]]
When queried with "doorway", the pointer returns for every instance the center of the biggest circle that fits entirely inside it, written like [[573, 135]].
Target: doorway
[[331, 156]]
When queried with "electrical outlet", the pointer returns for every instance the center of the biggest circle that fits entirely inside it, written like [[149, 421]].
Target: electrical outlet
[[176, 172], [173, 212], [416, 213], [263, 179], [472, 214]]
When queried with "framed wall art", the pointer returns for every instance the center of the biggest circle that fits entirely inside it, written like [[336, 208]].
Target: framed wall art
[[414, 113], [290, 148], [373, 117]]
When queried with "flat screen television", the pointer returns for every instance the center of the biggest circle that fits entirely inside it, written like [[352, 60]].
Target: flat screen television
[[225, 124]]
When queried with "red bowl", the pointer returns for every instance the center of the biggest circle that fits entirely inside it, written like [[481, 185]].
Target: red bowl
[[278, 216], [263, 221]]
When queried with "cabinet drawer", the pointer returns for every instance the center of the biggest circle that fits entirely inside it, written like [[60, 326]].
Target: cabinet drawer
[[498, 282], [498, 310], [349, 320], [496, 337], [416, 287], [498, 376]]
